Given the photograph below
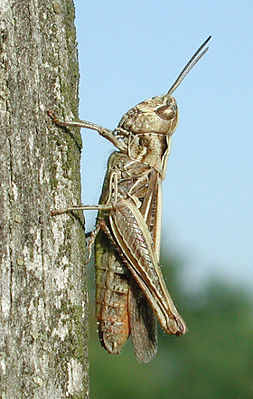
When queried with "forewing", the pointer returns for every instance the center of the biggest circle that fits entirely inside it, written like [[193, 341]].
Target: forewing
[[133, 237], [143, 322]]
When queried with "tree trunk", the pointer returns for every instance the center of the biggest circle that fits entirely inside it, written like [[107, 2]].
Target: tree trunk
[[43, 342]]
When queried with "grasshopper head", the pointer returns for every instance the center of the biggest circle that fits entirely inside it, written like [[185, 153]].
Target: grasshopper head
[[157, 115], [147, 128]]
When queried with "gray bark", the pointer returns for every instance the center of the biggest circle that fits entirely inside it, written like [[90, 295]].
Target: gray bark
[[43, 341]]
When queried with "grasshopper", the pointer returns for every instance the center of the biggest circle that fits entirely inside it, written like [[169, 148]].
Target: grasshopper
[[130, 288]]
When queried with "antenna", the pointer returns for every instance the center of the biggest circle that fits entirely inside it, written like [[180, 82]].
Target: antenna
[[190, 64]]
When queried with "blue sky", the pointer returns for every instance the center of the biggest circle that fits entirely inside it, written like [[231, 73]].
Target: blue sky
[[132, 50]]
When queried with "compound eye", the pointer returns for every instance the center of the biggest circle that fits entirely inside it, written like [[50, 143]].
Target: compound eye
[[167, 112]]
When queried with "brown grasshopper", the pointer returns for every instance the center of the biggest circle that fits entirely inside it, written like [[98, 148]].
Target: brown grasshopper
[[130, 289]]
